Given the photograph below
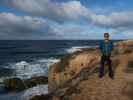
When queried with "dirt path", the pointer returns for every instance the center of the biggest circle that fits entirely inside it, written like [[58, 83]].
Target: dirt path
[[105, 88]]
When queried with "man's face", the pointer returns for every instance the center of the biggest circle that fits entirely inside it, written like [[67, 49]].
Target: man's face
[[106, 37]]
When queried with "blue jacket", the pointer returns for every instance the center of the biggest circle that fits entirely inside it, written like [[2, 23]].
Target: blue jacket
[[106, 48]]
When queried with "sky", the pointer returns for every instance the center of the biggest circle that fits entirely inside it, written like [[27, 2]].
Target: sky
[[65, 19]]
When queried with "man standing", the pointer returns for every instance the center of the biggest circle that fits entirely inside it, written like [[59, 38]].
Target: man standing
[[106, 48]]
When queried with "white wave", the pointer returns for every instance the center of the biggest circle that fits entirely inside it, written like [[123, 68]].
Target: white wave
[[37, 90], [22, 63], [76, 48], [48, 61], [38, 67], [24, 69]]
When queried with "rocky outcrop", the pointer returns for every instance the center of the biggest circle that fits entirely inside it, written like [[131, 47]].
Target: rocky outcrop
[[41, 97], [14, 84], [17, 84], [36, 81], [75, 63], [75, 77]]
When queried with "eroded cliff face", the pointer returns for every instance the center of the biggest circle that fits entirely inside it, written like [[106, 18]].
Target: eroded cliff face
[[72, 64], [79, 72]]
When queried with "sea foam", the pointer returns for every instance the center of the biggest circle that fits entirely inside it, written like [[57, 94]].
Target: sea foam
[[38, 67], [76, 48], [37, 90]]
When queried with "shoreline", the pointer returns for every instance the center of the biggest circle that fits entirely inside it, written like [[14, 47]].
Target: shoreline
[[121, 47], [62, 76]]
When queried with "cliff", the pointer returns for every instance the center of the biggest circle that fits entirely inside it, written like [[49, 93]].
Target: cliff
[[75, 77]]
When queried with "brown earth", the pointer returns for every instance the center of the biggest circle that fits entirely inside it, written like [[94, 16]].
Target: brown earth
[[75, 77], [119, 88]]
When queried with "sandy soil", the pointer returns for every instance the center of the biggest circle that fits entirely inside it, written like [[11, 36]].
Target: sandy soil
[[105, 88], [95, 88]]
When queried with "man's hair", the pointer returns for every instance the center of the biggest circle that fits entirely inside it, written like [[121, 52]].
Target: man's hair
[[106, 34]]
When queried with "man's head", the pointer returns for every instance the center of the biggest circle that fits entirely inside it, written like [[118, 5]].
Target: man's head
[[106, 37]]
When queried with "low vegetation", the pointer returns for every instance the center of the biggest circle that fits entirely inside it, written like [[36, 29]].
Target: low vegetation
[[64, 62], [129, 50], [129, 68], [128, 90]]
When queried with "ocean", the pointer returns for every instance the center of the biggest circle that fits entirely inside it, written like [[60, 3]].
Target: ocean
[[29, 58]]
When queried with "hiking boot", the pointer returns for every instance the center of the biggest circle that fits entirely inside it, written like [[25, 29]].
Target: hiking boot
[[111, 75], [101, 75]]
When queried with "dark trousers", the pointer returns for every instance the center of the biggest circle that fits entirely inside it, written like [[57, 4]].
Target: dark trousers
[[109, 62]]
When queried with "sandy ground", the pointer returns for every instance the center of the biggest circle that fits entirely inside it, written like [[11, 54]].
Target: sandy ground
[[95, 88], [119, 88]]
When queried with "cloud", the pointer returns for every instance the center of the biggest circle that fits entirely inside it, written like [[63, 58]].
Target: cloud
[[114, 20], [40, 15], [27, 27], [12, 26], [63, 11], [73, 10]]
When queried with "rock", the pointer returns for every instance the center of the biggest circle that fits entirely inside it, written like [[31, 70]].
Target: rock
[[14, 84], [41, 97], [35, 81], [35, 91]]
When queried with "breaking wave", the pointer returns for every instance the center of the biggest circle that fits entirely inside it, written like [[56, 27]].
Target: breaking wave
[[76, 48], [24, 69]]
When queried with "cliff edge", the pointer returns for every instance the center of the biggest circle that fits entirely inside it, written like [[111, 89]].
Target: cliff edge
[[75, 77]]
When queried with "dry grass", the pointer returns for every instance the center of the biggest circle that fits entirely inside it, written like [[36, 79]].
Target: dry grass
[[72, 73], [128, 91], [129, 68], [64, 62], [115, 52], [124, 50], [129, 50]]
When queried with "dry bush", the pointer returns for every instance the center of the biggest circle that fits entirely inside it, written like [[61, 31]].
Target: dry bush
[[128, 50], [128, 90], [64, 62], [129, 68], [115, 63]]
